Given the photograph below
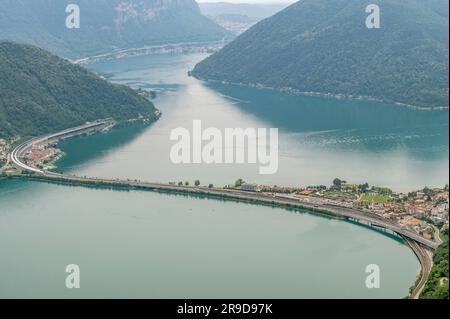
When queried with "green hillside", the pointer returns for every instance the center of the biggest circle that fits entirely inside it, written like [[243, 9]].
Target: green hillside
[[324, 46], [41, 93], [437, 285]]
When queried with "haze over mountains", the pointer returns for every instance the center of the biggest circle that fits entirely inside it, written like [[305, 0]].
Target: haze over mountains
[[254, 10], [105, 24], [238, 17], [42, 93], [324, 46]]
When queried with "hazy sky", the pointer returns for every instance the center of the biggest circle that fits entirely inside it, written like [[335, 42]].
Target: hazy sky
[[250, 1]]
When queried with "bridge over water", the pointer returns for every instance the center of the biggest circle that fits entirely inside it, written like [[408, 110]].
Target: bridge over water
[[351, 214]]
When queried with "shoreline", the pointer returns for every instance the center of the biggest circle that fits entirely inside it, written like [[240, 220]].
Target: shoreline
[[202, 46], [105, 125], [348, 97]]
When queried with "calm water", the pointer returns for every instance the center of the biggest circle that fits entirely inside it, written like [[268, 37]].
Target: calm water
[[320, 139], [142, 244]]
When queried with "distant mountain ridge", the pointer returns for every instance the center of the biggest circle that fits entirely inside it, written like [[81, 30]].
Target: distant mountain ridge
[[42, 93], [251, 10], [105, 25], [238, 17], [324, 46]]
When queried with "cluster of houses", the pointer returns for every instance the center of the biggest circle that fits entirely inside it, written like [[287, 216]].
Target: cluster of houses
[[40, 154], [416, 210], [4, 149]]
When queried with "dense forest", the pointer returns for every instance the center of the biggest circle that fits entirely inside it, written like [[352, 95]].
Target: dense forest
[[41, 93], [437, 285], [324, 46], [105, 25]]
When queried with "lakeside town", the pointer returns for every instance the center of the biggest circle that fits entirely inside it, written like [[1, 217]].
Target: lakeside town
[[43, 156], [424, 211]]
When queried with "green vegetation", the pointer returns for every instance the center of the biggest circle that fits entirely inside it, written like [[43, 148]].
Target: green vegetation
[[239, 182], [41, 93], [437, 285], [105, 25], [382, 190], [338, 182], [18, 141], [324, 46], [338, 195], [376, 199]]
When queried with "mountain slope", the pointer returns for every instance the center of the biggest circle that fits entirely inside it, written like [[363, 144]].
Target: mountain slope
[[105, 24], [41, 93], [324, 46]]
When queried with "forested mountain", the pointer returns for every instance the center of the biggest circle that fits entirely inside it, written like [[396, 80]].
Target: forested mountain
[[105, 24], [41, 93], [437, 287], [324, 46]]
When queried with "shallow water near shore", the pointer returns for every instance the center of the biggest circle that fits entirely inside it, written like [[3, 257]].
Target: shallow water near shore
[[148, 245]]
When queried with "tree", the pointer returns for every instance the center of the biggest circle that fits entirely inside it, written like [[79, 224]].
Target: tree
[[239, 182], [186, 183], [337, 182], [427, 191], [412, 194], [210, 186], [364, 187], [197, 183]]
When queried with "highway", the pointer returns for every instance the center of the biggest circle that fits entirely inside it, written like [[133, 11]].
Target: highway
[[425, 257], [20, 150]]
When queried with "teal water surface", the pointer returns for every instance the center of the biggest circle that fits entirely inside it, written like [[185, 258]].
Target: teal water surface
[[149, 245], [320, 138]]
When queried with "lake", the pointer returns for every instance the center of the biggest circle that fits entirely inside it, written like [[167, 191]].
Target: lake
[[149, 245], [320, 139]]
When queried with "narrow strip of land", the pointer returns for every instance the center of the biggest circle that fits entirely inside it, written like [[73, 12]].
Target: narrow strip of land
[[353, 214]]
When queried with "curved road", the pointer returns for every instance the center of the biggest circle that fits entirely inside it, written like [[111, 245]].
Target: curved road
[[20, 150], [426, 261]]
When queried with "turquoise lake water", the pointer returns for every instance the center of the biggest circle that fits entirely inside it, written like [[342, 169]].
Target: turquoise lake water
[[148, 245]]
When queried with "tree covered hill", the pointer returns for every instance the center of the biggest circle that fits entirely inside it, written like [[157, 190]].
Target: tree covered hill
[[105, 25], [324, 46], [437, 285], [41, 93]]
